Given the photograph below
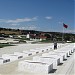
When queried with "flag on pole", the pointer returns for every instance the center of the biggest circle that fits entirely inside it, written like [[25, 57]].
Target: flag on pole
[[65, 26]]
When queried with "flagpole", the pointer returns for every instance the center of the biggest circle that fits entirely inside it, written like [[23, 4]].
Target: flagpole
[[64, 26], [63, 35]]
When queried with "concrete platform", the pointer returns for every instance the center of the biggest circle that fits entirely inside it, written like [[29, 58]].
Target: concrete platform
[[28, 52], [69, 48], [50, 47], [12, 57], [66, 49], [35, 50], [41, 50], [66, 52], [4, 60], [21, 53], [57, 58], [47, 60], [35, 67], [63, 54], [44, 49], [60, 55]]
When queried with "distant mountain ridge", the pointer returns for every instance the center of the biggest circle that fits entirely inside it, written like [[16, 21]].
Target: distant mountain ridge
[[20, 31]]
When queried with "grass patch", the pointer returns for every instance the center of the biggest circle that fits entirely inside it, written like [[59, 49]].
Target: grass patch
[[5, 45], [21, 40]]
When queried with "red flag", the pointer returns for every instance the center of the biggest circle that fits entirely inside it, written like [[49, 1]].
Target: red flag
[[65, 26]]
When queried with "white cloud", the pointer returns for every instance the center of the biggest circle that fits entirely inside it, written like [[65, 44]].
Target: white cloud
[[70, 31], [2, 20], [48, 17], [19, 20], [30, 27], [14, 24]]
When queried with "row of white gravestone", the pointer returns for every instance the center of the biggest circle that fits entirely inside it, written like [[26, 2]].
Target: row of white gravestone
[[17, 55], [52, 59]]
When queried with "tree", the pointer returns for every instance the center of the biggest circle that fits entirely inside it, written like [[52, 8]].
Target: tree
[[48, 36]]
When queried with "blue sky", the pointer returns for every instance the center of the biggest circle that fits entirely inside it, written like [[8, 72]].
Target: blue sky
[[44, 15]]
